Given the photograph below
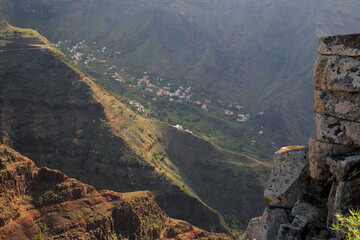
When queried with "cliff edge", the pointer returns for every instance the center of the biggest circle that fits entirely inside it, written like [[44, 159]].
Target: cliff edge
[[310, 184], [41, 203]]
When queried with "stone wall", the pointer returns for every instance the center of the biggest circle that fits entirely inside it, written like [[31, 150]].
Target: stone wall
[[309, 184]]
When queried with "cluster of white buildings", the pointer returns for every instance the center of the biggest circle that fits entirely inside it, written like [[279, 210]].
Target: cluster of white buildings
[[139, 107], [180, 128], [159, 89]]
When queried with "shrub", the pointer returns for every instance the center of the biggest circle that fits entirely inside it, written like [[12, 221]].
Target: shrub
[[348, 225]]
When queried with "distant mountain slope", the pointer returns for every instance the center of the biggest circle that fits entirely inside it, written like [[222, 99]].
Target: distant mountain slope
[[40, 203], [53, 113], [257, 53]]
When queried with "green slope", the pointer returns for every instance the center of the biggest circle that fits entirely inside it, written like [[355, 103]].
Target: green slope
[[53, 113], [256, 53]]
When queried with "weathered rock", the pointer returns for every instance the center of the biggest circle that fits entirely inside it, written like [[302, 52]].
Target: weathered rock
[[335, 130], [330, 204], [332, 176], [304, 214], [271, 221], [287, 182], [252, 229], [338, 104], [288, 232], [344, 195], [318, 152], [345, 45], [322, 235], [347, 196], [335, 73], [342, 166]]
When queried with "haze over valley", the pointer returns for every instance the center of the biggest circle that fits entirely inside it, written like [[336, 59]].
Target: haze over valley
[[175, 105]]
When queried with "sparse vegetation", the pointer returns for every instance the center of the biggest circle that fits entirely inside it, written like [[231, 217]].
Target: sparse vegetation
[[348, 225]]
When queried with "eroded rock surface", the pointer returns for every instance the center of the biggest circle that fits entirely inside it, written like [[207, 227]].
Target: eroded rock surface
[[40, 203], [344, 167], [332, 182], [252, 229], [271, 221], [345, 45], [287, 183]]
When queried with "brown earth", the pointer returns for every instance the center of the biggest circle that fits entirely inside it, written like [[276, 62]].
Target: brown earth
[[40, 203]]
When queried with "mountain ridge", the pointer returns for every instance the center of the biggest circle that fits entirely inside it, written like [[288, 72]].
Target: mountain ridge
[[40, 203], [54, 114], [252, 52]]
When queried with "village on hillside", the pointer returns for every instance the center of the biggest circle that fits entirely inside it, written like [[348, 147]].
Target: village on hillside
[[99, 59]]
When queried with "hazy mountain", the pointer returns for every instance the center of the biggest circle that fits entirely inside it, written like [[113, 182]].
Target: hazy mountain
[[256, 53]]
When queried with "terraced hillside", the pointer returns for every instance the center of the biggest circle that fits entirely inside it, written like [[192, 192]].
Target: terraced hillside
[[60, 118]]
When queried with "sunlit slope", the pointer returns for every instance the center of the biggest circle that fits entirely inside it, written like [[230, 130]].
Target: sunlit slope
[[59, 117], [258, 53]]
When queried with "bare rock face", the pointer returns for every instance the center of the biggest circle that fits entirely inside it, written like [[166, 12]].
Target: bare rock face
[[318, 153], [347, 196], [344, 195], [306, 212], [287, 182], [336, 130], [252, 229], [271, 220], [338, 104], [46, 204], [332, 182], [344, 167], [288, 232], [344, 45], [337, 73]]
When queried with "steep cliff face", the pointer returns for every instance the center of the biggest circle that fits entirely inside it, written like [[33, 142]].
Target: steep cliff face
[[40, 203], [310, 184]]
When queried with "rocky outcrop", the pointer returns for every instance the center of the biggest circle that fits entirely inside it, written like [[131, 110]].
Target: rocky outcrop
[[309, 185], [40, 203], [287, 183]]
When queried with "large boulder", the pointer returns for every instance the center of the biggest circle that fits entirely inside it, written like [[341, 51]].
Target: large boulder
[[347, 196], [288, 180], [336, 73], [304, 214], [344, 167], [271, 221], [252, 229], [338, 104], [318, 153], [344, 195], [345, 45], [336, 130], [288, 232]]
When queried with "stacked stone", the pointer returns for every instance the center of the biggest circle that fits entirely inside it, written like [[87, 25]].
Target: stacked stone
[[334, 156], [308, 185], [288, 213]]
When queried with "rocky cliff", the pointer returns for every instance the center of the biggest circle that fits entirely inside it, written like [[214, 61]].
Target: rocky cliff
[[309, 184], [40, 203]]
